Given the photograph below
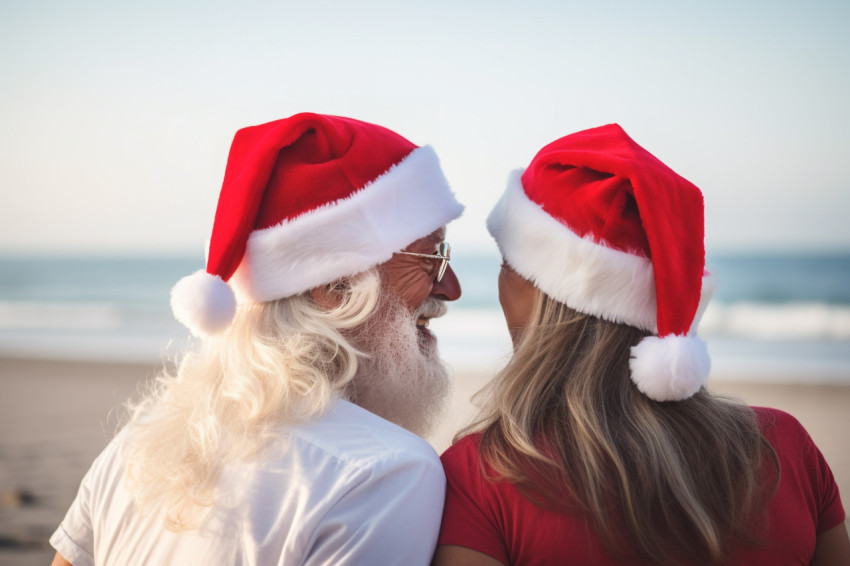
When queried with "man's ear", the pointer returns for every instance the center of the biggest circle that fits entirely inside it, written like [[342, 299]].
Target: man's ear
[[328, 296]]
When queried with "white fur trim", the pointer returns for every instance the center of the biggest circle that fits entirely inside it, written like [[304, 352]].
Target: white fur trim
[[582, 273], [671, 368], [579, 272], [408, 202], [204, 303]]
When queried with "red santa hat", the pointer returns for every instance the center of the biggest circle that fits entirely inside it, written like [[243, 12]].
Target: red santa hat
[[601, 225], [305, 201]]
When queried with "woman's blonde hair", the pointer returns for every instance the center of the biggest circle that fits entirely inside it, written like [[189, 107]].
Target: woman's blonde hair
[[280, 361], [563, 421]]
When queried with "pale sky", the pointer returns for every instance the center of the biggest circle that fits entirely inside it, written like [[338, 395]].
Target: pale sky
[[116, 117]]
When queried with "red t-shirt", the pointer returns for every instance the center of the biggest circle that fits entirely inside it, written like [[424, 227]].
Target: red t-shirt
[[496, 519]]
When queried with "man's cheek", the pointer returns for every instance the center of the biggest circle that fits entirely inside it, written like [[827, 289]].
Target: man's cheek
[[412, 289]]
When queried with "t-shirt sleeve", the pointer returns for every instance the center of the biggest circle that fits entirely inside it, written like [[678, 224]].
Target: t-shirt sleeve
[[74, 538], [391, 516], [469, 517], [830, 509], [788, 435]]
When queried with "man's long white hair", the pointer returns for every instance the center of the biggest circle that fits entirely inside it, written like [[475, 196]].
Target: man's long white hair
[[281, 361]]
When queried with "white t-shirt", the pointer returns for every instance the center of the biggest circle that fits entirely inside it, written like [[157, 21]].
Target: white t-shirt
[[351, 488]]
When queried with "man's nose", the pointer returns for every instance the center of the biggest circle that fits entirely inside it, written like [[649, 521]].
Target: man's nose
[[449, 288]]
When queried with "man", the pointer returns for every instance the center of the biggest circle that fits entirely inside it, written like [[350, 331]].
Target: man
[[326, 261]]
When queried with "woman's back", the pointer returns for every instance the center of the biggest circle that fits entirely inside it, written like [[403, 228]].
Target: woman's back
[[500, 521]]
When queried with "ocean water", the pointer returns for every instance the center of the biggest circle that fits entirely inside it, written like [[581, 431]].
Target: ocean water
[[776, 317]]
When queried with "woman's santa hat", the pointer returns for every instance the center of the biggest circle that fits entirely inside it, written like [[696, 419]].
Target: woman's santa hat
[[305, 201], [601, 225]]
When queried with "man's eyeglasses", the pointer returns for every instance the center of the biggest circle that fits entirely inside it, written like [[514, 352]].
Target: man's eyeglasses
[[443, 253]]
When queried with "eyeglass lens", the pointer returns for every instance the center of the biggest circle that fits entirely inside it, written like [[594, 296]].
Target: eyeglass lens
[[443, 250]]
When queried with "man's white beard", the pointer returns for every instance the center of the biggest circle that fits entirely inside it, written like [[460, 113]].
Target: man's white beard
[[403, 380]]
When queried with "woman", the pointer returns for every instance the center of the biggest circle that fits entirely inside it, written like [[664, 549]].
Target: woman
[[598, 443]]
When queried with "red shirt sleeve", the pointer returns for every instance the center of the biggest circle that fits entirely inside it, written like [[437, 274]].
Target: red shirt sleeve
[[468, 516], [804, 468], [830, 510]]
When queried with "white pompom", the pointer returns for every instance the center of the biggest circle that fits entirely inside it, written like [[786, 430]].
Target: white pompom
[[671, 368], [204, 303]]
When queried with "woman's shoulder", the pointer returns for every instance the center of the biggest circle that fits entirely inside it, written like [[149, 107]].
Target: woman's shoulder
[[463, 453], [780, 427], [769, 416]]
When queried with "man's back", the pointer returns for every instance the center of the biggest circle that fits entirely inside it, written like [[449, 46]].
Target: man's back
[[350, 488]]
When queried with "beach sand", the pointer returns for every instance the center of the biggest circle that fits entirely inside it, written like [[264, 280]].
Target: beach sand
[[56, 416]]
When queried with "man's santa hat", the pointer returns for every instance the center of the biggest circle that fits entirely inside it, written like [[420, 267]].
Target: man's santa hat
[[601, 225], [305, 201]]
